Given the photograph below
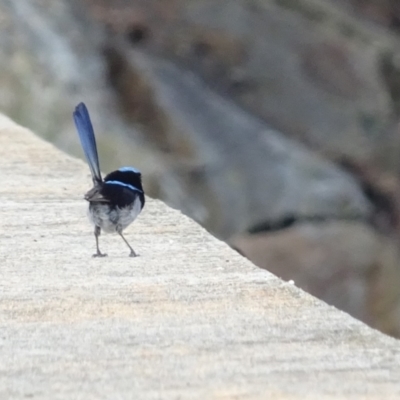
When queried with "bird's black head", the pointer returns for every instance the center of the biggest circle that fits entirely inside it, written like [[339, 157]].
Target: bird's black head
[[128, 175]]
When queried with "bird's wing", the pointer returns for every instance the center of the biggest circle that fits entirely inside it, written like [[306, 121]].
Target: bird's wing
[[94, 194]]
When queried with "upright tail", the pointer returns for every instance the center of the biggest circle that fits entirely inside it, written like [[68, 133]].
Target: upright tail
[[88, 140]]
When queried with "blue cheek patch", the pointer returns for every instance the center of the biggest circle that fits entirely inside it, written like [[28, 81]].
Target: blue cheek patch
[[135, 189], [129, 169]]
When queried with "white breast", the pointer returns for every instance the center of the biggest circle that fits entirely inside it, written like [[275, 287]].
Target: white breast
[[113, 220]]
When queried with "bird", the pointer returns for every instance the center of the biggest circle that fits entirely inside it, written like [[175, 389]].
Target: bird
[[115, 201]]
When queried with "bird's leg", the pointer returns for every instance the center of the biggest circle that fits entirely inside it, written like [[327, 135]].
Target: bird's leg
[[96, 235], [132, 254]]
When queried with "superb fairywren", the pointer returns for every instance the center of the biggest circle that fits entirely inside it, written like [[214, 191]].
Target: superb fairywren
[[116, 201]]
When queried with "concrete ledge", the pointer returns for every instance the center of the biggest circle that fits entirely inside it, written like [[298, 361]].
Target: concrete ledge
[[190, 318]]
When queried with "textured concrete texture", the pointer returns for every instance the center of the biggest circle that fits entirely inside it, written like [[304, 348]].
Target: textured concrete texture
[[188, 319]]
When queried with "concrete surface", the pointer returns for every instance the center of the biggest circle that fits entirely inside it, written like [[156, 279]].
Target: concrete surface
[[189, 319]]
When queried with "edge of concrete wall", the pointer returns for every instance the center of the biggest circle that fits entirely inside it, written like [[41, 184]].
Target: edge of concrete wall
[[189, 318]]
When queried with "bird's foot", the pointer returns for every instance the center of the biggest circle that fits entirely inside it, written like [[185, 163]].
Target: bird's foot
[[98, 254], [133, 254]]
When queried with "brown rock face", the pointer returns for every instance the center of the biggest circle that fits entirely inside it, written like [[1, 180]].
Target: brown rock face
[[385, 12], [310, 70]]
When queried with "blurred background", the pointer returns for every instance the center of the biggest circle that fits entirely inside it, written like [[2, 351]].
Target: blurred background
[[272, 123]]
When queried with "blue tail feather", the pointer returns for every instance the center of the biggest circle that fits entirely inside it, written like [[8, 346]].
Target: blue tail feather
[[88, 140]]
